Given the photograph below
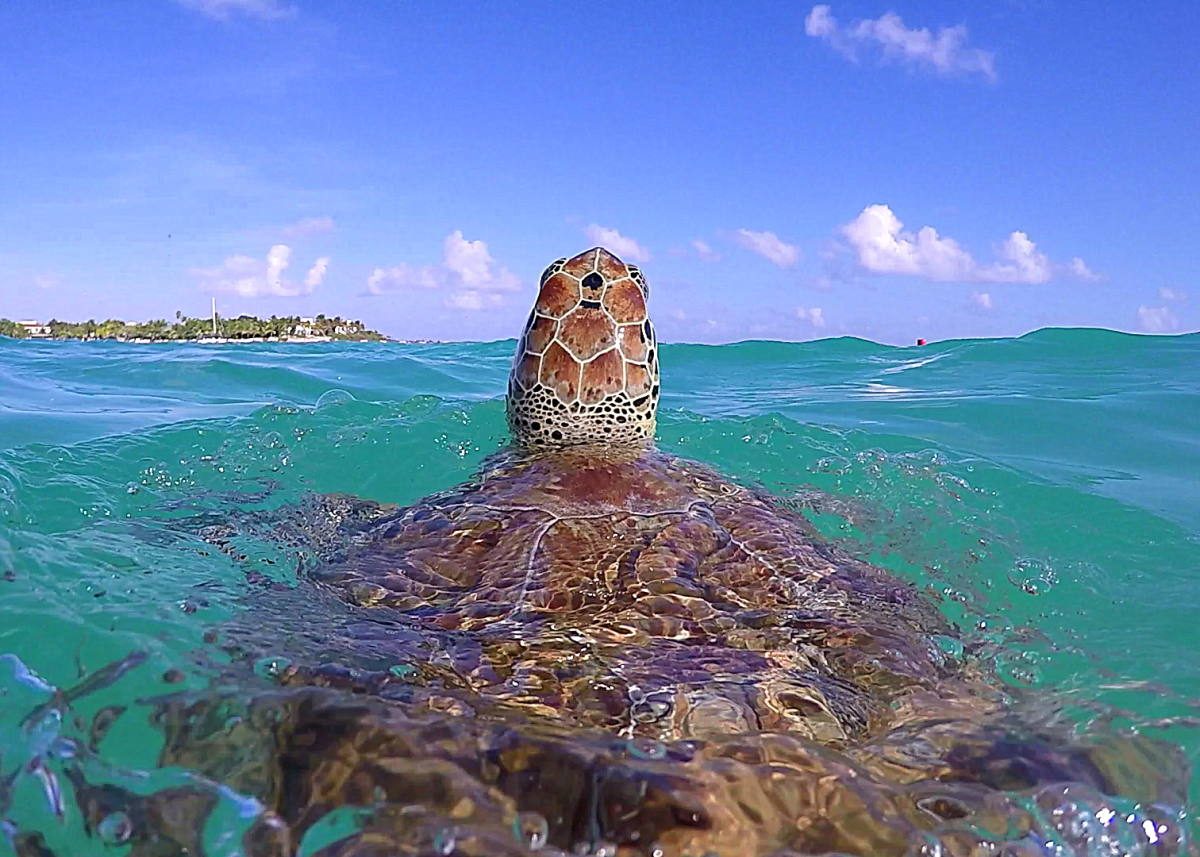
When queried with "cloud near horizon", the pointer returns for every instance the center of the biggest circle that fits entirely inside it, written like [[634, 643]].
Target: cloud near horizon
[[1157, 319], [768, 245], [627, 248], [466, 267], [255, 278], [945, 52], [884, 247]]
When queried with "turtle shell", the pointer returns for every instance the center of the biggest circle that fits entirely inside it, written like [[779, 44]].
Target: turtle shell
[[621, 654], [693, 606]]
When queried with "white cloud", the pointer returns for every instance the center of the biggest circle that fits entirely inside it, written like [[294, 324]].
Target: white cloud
[[1157, 319], [1172, 295], [769, 246], [813, 315], [945, 52], [1079, 268], [223, 10], [884, 247], [1022, 263], [308, 226], [471, 262], [47, 281], [278, 259], [983, 300], [624, 246], [466, 266], [252, 278], [705, 252], [820, 23], [316, 274]]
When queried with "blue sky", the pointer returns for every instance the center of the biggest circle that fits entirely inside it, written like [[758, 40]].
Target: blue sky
[[878, 169]]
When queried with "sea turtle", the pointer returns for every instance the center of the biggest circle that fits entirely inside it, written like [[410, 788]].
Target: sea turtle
[[603, 645], [703, 606]]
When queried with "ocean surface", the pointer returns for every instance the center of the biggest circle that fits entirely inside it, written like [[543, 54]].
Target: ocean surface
[[1044, 489]]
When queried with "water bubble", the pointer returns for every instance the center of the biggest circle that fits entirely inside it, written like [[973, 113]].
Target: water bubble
[[531, 830], [1162, 828], [115, 828], [403, 671], [646, 748], [333, 398], [271, 666], [1033, 576], [949, 645]]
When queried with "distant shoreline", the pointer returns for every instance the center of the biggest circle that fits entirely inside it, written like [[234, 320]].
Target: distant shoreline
[[200, 331], [295, 340], [310, 340]]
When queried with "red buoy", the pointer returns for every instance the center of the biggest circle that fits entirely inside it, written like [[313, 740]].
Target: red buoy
[[920, 342]]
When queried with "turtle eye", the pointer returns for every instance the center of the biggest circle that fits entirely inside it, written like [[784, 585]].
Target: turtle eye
[[551, 269]]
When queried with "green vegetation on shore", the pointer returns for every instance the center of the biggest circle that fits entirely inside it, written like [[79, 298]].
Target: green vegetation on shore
[[243, 327]]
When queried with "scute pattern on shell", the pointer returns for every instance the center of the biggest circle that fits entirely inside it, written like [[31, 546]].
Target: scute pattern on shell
[[586, 368]]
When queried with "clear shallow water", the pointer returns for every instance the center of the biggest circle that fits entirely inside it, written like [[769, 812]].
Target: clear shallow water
[[1044, 488]]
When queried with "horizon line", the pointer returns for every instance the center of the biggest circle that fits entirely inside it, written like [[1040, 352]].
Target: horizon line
[[747, 341]]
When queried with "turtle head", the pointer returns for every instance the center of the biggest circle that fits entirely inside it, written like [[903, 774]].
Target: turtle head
[[586, 369]]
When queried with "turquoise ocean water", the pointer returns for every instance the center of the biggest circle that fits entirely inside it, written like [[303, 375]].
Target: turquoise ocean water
[[1046, 489]]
